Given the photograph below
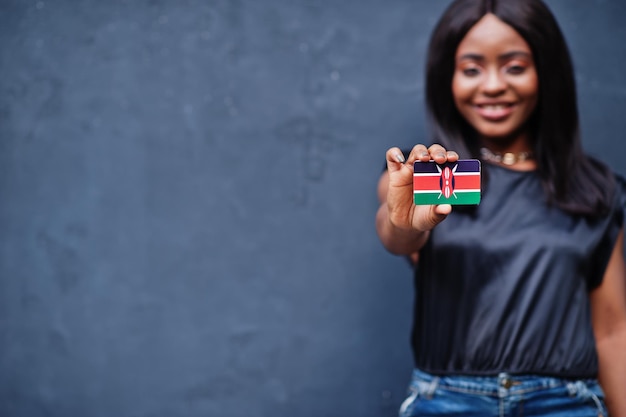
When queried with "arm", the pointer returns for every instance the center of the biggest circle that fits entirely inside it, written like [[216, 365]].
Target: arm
[[403, 227], [608, 308]]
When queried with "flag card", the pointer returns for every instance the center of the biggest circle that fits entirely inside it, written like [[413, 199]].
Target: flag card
[[449, 183]]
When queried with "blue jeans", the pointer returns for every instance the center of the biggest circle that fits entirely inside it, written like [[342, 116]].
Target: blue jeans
[[502, 396]]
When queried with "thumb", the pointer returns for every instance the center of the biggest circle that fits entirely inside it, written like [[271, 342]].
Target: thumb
[[443, 210], [430, 216], [439, 213], [395, 159]]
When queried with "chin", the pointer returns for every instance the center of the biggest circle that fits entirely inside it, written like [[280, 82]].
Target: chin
[[499, 136], [497, 133]]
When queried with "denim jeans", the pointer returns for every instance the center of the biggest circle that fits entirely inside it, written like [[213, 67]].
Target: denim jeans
[[502, 396]]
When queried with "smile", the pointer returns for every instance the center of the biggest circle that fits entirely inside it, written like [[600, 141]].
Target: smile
[[494, 112]]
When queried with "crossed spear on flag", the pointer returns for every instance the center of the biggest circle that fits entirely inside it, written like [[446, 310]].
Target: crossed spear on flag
[[446, 181]]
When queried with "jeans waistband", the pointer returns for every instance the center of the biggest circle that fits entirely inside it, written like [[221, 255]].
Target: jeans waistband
[[491, 385]]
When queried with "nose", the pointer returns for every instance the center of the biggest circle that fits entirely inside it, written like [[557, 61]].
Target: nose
[[493, 83]]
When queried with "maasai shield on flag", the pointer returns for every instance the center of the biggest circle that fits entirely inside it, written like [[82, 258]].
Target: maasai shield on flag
[[450, 183]]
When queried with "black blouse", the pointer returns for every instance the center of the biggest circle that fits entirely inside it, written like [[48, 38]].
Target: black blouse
[[504, 288]]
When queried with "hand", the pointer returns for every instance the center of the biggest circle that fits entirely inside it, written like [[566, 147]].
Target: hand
[[402, 212]]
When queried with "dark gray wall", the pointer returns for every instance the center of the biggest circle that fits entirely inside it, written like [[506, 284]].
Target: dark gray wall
[[188, 197]]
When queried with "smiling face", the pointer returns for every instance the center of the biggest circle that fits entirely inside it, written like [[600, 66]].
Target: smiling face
[[495, 84]]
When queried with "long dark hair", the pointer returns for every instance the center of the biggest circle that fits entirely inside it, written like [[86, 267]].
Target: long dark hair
[[572, 181]]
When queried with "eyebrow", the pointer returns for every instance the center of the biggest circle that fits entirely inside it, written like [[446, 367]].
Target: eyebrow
[[508, 55]]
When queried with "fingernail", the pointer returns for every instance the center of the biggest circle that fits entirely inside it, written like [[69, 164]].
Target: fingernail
[[424, 154], [399, 157], [440, 155]]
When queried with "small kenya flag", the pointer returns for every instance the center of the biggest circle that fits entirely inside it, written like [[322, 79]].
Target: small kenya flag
[[450, 183]]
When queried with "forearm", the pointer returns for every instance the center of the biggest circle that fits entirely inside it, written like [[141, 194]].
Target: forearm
[[612, 375], [397, 240]]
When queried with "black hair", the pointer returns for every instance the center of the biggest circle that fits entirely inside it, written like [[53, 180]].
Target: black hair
[[572, 180]]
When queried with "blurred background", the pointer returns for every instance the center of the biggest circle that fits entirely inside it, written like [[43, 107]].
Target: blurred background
[[188, 198]]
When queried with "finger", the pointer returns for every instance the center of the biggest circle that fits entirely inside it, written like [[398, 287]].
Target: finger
[[419, 153], [395, 159], [438, 153], [452, 156]]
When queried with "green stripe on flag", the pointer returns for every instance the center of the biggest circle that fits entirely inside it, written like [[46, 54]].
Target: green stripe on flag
[[459, 197]]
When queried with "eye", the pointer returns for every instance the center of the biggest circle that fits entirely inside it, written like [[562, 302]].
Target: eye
[[516, 69], [470, 72]]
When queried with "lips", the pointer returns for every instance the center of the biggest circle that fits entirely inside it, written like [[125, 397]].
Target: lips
[[494, 111]]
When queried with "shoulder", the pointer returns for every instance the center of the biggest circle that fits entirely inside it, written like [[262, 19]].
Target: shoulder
[[618, 202], [615, 181], [609, 182]]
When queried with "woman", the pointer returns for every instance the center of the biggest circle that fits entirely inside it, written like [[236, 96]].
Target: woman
[[520, 301]]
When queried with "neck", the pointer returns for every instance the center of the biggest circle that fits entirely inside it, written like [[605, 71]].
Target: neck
[[514, 144], [506, 158], [514, 154]]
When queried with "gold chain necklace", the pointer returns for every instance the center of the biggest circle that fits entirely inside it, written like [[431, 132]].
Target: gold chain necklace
[[508, 158]]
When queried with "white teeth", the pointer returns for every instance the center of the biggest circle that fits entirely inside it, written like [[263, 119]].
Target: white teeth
[[493, 106]]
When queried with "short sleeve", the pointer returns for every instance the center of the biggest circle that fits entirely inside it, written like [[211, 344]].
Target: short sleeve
[[612, 225]]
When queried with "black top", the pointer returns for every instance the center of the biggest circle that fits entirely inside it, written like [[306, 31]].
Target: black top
[[505, 288]]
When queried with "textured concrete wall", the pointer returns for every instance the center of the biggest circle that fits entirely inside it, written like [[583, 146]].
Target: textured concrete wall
[[188, 196]]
